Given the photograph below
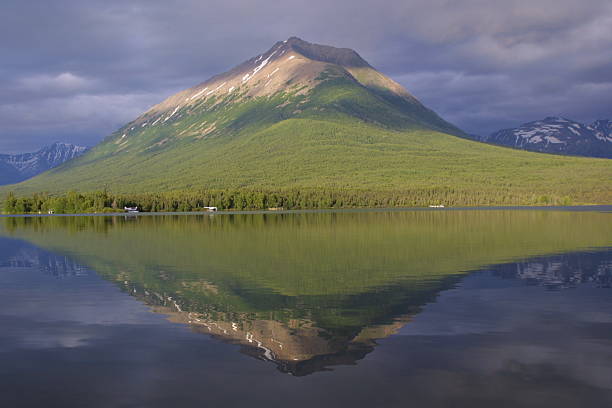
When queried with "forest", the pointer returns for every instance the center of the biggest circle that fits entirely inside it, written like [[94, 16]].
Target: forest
[[186, 201]]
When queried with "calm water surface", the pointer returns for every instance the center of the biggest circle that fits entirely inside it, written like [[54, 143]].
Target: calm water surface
[[372, 309]]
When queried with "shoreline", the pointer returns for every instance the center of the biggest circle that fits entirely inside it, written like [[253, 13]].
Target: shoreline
[[576, 208]]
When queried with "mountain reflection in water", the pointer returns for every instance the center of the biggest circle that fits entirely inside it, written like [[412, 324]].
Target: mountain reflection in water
[[311, 291], [299, 347]]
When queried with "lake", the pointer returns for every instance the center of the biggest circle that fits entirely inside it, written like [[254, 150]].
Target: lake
[[436, 308]]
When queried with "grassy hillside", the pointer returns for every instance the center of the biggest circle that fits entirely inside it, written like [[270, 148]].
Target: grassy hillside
[[313, 154]]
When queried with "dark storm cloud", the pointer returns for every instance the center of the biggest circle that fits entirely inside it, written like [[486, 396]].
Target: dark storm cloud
[[76, 70]]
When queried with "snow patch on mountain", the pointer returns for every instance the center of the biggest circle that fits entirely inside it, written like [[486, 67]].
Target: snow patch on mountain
[[258, 68], [198, 94]]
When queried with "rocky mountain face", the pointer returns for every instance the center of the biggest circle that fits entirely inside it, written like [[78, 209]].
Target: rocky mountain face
[[560, 136], [293, 68], [19, 167]]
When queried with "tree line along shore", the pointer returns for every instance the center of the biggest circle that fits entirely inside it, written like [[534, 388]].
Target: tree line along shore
[[185, 201]]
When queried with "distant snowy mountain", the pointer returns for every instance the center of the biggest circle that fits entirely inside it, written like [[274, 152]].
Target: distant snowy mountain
[[558, 135], [19, 167]]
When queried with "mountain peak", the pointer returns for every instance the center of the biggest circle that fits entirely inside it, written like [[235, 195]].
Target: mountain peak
[[293, 66], [344, 57], [293, 79]]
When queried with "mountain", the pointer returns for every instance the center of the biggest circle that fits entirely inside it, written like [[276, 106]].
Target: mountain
[[303, 80], [305, 116], [560, 136], [19, 167]]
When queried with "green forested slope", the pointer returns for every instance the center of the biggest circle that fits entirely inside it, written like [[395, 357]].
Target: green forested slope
[[307, 153]]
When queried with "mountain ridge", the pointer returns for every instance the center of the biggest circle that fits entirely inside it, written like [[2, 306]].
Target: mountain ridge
[[558, 135], [18, 167]]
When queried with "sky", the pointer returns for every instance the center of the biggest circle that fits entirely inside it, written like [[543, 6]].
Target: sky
[[76, 70]]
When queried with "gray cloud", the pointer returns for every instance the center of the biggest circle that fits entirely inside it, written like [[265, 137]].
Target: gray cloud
[[76, 70]]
